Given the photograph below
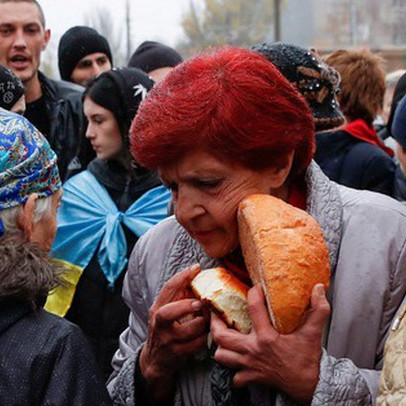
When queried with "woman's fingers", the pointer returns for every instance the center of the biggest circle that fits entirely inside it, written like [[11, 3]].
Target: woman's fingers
[[261, 322], [176, 311], [191, 329], [227, 337], [317, 315], [177, 286], [191, 347], [229, 358]]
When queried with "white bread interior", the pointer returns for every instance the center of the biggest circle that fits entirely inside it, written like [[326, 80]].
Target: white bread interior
[[284, 250], [226, 294]]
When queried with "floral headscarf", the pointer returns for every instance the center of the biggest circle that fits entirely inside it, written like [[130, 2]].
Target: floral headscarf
[[27, 162]]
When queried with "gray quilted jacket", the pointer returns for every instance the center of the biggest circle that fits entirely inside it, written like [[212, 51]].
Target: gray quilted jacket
[[366, 235]]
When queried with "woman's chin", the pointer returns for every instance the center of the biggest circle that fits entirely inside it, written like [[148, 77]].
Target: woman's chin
[[216, 250]]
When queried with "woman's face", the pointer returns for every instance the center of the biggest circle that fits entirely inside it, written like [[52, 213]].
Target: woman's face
[[206, 192], [102, 131]]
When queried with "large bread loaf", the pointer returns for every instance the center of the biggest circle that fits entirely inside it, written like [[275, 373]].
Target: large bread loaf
[[285, 252]]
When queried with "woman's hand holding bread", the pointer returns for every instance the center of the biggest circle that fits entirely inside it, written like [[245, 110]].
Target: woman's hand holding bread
[[177, 330], [264, 356]]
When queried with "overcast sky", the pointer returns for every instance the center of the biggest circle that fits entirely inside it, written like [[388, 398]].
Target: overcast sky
[[150, 19]]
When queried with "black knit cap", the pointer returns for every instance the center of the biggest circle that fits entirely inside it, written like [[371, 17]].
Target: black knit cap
[[151, 55], [11, 88], [314, 79], [121, 91], [76, 43]]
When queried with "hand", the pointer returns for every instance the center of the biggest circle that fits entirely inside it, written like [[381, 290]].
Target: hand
[[177, 329], [288, 362]]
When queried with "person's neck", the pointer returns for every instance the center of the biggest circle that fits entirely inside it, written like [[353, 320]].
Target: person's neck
[[283, 192], [33, 89]]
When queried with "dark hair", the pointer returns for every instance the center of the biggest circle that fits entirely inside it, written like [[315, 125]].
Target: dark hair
[[41, 12], [362, 83], [116, 91], [229, 100]]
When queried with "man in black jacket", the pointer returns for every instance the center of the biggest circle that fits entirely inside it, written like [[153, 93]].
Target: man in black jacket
[[54, 107]]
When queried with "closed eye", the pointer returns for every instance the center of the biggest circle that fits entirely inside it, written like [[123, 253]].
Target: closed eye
[[208, 183]]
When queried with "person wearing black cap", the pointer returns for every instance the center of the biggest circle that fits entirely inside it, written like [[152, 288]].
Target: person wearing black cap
[[155, 59], [11, 91], [315, 80], [83, 54], [104, 211]]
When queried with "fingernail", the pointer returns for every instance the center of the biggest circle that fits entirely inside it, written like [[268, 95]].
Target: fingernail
[[320, 290], [197, 305], [195, 266]]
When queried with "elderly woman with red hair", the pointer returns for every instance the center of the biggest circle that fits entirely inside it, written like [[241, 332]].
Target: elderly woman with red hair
[[221, 126]]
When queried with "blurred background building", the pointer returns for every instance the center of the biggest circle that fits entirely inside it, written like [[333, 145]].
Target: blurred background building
[[192, 25]]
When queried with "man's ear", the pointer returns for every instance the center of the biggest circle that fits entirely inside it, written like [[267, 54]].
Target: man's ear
[[25, 219], [47, 37], [278, 176]]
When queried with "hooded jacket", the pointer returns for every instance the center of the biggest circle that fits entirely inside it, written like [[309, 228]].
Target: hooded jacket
[[366, 236]]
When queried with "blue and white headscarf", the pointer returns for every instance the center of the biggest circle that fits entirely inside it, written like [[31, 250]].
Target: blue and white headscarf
[[27, 162]]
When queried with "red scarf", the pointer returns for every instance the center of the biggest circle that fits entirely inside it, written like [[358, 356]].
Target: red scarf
[[361, 130], [235, 261]]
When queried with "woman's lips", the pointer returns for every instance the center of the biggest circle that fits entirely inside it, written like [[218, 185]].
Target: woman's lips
[[198, 235]]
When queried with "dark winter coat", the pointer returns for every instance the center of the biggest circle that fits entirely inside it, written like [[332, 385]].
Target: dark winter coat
[[97, 307], [45, 360], [64, 109], [354, 163], [399, 190]]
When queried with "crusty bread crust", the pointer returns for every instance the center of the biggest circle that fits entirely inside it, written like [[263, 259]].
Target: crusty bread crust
[[284, 251], [224, 293]]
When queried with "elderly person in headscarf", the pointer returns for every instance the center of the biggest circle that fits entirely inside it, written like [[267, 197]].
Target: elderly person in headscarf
[[220, 127], [44, 358]]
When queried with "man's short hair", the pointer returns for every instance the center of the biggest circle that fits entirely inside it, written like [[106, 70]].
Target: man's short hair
[[362, 83], [41, 12]]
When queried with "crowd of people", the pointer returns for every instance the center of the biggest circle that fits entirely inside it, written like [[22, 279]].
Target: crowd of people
[[118, 185]]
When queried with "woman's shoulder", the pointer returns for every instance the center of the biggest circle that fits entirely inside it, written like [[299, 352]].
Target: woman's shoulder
[[372, 220], [54, 327], [158, 240], [44, 332], [371, 203]]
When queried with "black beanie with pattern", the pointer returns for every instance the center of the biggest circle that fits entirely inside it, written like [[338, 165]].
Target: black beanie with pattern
[[11, 88]]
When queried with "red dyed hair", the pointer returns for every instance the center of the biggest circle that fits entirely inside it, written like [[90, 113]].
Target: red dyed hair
[[231, 102]]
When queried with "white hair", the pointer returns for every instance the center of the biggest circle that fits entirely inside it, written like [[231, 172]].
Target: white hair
[[392, 78], [9, 216]]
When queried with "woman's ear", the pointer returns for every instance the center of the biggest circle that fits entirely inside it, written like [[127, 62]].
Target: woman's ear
[[278, 176], [25, 219]]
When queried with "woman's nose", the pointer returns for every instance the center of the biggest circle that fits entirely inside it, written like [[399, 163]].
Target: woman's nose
[[187, 205], [89, 132]]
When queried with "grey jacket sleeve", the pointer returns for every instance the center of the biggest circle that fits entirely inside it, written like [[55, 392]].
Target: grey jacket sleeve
[[121, 382], [341, 383]]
